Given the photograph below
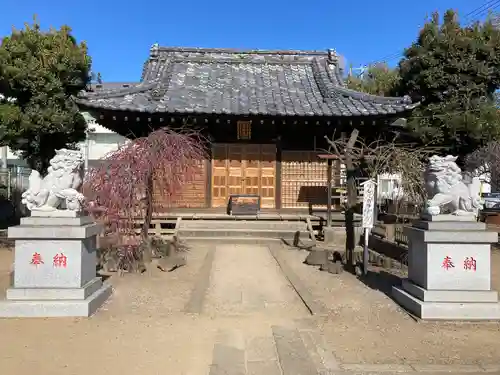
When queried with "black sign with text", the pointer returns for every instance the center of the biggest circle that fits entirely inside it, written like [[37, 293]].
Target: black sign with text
[[244, 204]]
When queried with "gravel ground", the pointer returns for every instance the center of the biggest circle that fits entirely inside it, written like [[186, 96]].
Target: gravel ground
[[139, 331], [142, 329], [136, 295], [366, 326]]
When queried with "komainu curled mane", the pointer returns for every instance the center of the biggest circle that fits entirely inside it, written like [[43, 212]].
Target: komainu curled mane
[[449, 193], [58, 190]]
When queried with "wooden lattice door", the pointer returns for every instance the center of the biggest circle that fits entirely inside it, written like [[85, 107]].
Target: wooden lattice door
[[243, 169], [303, 179], [236, 175], [219, 176], [268, 176], [251, 169]]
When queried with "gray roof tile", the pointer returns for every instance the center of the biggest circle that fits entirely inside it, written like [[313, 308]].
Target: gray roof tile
[[211, 81]]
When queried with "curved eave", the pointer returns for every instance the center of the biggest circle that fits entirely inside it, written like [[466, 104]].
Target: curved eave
[[131, 109], [323, 95], [376, 99], [116, 93]]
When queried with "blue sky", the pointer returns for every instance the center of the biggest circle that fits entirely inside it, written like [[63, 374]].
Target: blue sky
[[120, 33]]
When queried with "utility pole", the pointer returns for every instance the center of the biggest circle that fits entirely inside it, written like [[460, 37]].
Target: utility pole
[[362, 70], [352, 194]]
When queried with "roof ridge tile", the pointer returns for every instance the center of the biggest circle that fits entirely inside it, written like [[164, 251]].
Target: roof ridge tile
[[156, 49], [214, 81]]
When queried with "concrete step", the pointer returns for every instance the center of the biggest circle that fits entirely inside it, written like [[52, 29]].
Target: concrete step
[[234, 232], [243, 224], [233, 240]]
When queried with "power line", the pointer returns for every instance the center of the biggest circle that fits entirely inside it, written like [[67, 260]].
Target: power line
[[494, 5], [482, 10], [478, 12], [475, 11]]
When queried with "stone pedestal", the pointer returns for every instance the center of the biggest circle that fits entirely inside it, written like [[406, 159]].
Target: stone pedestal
[[55, 268], [330, 234], [449, 270], [336, 235]]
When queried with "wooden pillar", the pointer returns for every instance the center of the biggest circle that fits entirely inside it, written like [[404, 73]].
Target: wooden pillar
[[277, 191], [329, 194], [208, 185]]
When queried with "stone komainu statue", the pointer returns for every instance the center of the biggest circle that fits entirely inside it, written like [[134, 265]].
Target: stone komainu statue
[[58, 190], [446, 189]]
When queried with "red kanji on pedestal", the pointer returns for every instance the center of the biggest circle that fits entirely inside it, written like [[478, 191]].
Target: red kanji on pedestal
[[36, 259], [447, 263], [470, 264], [60, 260]]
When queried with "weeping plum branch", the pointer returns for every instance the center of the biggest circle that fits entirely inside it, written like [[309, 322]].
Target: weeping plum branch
[[144, 176]]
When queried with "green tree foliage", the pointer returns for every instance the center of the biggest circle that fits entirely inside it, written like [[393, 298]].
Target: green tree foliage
[[40, 73], [454, 72], [378, 79]]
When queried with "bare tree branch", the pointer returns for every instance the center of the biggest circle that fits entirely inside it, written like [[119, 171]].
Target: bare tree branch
[[485, 162], [392, 157]]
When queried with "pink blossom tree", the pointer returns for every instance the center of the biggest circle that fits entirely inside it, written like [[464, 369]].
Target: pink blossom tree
[[122, 188]]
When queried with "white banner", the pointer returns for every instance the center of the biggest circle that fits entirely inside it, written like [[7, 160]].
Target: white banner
[[368, 203]]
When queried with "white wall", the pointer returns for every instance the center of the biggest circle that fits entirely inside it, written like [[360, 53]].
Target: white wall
[[389, 186], [100, 141], [484, 180]]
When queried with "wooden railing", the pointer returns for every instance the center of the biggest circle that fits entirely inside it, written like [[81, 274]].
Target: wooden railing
[[399, 237], [391, 232], [389, 241], [160, 227]]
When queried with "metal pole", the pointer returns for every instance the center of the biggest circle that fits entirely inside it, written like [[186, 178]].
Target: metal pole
[[365, 252], [9, 187], [375, 205], [329, 194]]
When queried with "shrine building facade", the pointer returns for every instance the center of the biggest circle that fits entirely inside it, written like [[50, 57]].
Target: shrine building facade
[[265, 114]]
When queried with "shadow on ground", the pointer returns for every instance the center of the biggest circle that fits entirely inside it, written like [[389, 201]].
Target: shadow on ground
[[380, 280], [299, 244], [104, 276]]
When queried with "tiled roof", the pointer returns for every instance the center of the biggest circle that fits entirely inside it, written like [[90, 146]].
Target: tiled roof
[[214, 81], [111, 85]]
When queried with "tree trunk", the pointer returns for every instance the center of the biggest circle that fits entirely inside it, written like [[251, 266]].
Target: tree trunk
[[147, 253], [352, 197], [349, 212]]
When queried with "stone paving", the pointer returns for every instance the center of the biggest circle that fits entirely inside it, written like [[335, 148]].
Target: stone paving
[[245, 279]]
